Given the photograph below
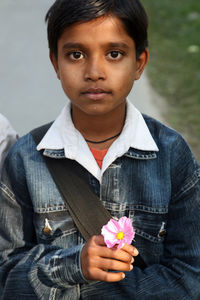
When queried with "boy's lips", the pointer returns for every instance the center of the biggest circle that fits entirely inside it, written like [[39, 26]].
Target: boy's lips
[[95, 93]]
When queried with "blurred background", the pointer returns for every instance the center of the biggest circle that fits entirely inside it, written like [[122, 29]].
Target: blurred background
[[31, 95], [174, 67]]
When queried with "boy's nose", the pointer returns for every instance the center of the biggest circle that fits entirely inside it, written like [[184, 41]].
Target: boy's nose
[[94, 70]]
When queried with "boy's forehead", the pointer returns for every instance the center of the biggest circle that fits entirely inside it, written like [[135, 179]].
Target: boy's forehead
[[105, 28]]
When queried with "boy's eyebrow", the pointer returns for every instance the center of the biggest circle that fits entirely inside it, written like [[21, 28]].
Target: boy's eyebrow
[[118, 45], [71, 45]]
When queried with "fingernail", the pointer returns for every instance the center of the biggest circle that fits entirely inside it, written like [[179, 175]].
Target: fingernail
[[131, 267], [136, 252], [132, 260], [123, 276]]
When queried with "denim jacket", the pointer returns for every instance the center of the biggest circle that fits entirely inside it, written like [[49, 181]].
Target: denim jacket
[[40, 245]]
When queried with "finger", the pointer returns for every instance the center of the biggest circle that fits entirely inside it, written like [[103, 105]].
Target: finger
[[130, 249], [100, 275], [98, 240], [121, 255], [115, 265]]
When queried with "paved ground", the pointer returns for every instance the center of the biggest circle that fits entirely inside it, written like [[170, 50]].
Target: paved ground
[[30, 93], [147, 100]]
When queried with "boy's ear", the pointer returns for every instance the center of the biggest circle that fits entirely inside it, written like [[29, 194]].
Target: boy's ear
[[54, 62], [141, 63]]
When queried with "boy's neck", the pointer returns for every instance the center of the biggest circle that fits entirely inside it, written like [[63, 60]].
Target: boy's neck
[[100, 127]]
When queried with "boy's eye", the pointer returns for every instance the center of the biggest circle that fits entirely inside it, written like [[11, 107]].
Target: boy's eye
[[115, 54], [75, 55]]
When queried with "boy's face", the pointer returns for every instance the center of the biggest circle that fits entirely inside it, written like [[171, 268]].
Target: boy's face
[[97, 65]]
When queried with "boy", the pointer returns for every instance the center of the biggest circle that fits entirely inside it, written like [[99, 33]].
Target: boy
[[138, 167], [7, 138]]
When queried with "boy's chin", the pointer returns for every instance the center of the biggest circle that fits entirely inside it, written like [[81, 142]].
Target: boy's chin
[[99, 109]]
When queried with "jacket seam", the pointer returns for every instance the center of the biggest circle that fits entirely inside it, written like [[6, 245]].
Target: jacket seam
[[189, 185], [5, 189], [141, 156], [53, 294]]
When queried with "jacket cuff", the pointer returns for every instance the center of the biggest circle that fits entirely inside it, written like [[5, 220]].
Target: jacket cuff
[[69, 272]]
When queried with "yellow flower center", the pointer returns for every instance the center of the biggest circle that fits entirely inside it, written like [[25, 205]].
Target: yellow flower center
[[120, 235]]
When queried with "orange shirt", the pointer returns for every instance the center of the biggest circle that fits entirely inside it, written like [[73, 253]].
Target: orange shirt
[[99, 155]]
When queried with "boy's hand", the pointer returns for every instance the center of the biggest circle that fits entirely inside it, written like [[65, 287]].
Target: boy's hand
[[96, 259]]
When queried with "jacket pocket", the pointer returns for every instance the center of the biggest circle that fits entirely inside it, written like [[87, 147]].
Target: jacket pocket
[[150, 222], [55, 228], [150, 225]]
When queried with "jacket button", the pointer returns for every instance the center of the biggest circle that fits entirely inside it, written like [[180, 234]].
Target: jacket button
[[162, 233], [47, 231], [47, 228]]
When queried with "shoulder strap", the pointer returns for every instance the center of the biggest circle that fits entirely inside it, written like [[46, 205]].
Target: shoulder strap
[[86, 209], [39, 132]]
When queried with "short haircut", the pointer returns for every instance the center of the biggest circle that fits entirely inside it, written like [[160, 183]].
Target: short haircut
[[64, 13]]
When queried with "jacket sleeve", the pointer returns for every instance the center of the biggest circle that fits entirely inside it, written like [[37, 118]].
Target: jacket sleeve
[[29, 269], [177, 275]]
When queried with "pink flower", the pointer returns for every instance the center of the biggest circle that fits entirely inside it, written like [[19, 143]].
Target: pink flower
[[118, 232]]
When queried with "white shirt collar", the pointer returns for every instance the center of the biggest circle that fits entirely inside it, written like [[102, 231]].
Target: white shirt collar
[[63, 135]]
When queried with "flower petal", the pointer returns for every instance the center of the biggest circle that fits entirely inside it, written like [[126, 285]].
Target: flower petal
[[125, 223], [108, 235], [110, 244], [122, 221], [113, 227], [121, 244]]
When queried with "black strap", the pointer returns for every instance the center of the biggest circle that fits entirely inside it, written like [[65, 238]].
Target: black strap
[[85, 207]]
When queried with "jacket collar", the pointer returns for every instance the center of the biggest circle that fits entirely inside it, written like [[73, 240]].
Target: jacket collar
[[63, 136]]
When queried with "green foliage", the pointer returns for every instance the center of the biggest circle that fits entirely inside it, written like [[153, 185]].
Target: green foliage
[[174, 67]]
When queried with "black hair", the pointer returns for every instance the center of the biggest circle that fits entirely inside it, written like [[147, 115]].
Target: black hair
[[64, 13]]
